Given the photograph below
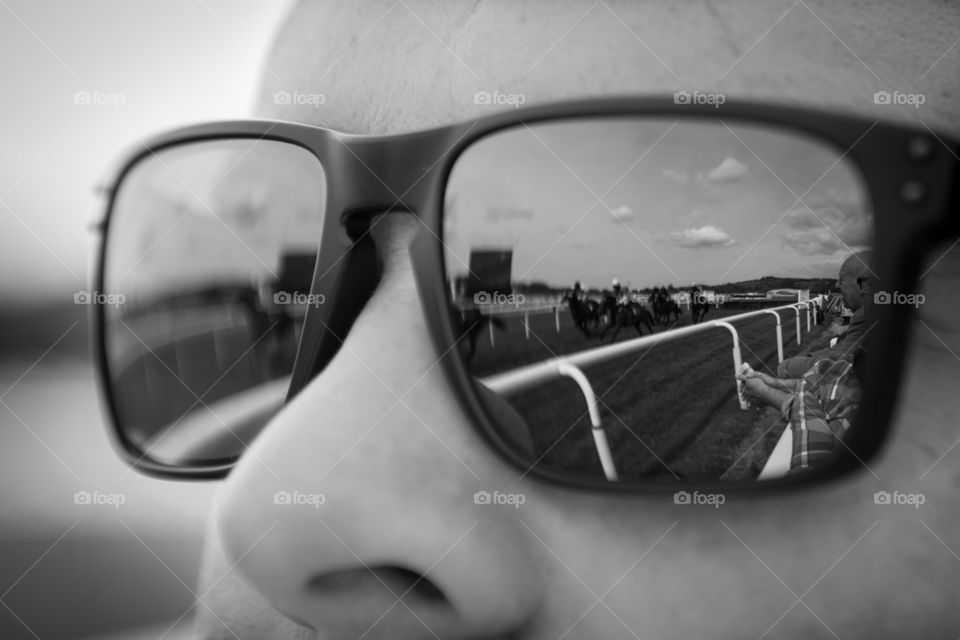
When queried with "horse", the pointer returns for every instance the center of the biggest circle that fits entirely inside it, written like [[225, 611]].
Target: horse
[[593, 307], [631, 314], [673, 309], [608, 308], [472, 324], [698, 304], [664, 306], [584, 313]]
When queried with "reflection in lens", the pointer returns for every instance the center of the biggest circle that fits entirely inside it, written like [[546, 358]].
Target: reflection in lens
[[673, 265], [212, 246]]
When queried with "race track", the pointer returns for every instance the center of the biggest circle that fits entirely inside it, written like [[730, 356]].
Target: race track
[[669, 410]]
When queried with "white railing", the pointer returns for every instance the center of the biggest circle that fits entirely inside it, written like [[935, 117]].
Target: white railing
[[778, 464], [556, 308], [571, 365], [517, 310], [526, 312]]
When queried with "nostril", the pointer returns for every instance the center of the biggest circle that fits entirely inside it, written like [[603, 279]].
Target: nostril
[[400, 582]]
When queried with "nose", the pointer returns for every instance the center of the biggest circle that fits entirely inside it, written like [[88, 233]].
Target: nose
[[353, 512]]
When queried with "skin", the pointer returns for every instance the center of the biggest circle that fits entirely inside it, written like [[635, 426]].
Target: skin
[[399, 477], [853, 280], [766, 389]]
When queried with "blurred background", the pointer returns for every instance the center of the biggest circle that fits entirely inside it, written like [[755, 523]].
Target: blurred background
[[82, 83]]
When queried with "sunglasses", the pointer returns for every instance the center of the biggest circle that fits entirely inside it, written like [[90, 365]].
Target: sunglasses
[[607, 283]]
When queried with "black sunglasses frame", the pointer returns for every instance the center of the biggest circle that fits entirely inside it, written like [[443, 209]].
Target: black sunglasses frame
[[911, 176]]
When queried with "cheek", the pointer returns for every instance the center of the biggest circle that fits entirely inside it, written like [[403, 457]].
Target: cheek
[[926, 420], [940, 285]]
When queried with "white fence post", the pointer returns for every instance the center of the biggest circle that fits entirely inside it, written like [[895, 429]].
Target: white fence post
[[490, 325], [526, 324], [779, 334], [599, 435], [556, 315], [737, 362], [796, 310]]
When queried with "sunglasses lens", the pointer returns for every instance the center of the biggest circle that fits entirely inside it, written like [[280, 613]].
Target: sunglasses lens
[[687, 243], [209, 254]]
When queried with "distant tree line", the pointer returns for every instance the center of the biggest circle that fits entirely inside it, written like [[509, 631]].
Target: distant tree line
[[759, 285]]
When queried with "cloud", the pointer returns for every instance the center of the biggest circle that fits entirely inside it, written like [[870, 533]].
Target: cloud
[[818, 242], [623, 213], [730, 170], [495, 213], [704, 237], [676, 176], [830, 223], [799, 219]]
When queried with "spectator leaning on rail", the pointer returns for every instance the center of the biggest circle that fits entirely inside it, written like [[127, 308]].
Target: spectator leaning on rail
[[855, 285], [820, 405], [821, 400]]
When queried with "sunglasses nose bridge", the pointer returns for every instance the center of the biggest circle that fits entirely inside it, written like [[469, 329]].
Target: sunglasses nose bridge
[[347, 271], [388, 174]]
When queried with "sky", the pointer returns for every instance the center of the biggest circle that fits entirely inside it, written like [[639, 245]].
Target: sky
[[655, 201], [213, 212], [83, 82]]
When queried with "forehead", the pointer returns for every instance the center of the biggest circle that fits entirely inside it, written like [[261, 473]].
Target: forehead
[[385, 67]]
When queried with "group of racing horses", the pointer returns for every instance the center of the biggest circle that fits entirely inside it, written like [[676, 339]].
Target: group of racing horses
[[615, 311]]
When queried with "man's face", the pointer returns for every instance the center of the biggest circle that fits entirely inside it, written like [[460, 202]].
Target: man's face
[[399, 475], [850, 290]]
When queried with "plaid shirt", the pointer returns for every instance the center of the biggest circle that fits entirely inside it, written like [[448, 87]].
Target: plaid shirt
[[822, 409], [849, 341]]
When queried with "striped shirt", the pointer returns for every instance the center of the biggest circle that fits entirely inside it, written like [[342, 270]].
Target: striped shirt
[[821, 411]]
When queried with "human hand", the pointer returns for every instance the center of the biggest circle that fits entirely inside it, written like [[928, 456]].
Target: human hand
[[754, 387], [836, 329], [770, 380], [748, 372]]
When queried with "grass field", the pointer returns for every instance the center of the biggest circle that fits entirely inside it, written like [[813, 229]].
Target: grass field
[[669, 410]]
